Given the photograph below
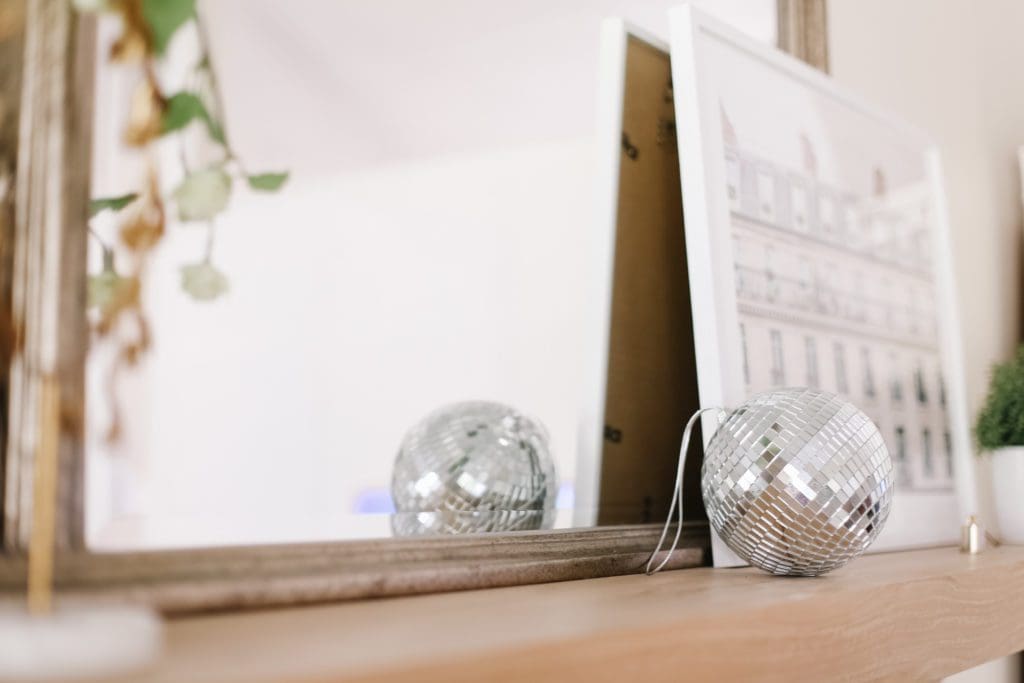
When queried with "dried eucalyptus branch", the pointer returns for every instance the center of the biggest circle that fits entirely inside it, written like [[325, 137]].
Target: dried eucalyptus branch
[[204, 193], [148, 27]]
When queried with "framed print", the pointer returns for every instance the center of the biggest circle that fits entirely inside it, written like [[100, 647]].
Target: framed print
[[819, 256]]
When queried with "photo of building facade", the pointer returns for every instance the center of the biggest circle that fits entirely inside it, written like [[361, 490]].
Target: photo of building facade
[[835, 290]]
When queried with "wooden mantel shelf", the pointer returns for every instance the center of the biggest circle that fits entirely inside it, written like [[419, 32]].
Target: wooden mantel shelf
[[915, 615]]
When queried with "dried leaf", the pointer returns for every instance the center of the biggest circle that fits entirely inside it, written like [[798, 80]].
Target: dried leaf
[[130, 48], [144, 228], [142, 233], [134, 43], [121, 318], [146, 114]]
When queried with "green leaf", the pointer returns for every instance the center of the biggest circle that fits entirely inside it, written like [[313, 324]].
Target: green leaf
[[165, 17], [182, 109], [112, 203], [216, 130], [185, 107], [268, 182]]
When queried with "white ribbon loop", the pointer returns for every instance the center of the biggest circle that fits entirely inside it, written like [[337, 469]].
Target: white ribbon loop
[[677, 494]]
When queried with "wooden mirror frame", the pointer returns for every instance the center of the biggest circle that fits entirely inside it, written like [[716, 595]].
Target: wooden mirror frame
[[46, 80]]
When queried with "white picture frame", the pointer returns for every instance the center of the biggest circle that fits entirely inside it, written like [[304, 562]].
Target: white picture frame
[[615, 36], [601, 262], [640, 366], [724, 81]]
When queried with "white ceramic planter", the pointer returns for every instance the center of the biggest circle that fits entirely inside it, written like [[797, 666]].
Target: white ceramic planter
[[1008, 492]]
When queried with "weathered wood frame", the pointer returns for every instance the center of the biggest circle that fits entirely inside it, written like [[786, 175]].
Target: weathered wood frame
[[47, 276], [802, 28], [46, 308]]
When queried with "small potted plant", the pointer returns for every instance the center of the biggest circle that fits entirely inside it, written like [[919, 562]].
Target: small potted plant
[[1000, 431]]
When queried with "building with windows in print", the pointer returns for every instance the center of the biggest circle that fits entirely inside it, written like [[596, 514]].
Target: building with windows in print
[[835, 291]]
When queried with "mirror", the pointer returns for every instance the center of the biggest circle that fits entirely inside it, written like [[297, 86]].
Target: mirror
[[432, 244]]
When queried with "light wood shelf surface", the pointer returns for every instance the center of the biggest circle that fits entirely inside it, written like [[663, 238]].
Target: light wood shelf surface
[[917, 615]]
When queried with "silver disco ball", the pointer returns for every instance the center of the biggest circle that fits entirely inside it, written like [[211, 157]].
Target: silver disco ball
[[473, 467], [797, 482]]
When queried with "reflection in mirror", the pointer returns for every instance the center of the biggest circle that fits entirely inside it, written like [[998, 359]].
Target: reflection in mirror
[[351, 219], [473, 467]]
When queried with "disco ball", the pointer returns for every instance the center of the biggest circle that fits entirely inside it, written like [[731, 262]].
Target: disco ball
[[797, 482], [473, 467]]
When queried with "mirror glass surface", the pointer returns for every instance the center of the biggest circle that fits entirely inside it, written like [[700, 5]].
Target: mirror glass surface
[[430, 247]]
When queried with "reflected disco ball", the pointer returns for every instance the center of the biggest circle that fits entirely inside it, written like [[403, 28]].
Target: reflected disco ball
[[473, 467], [797, 482]]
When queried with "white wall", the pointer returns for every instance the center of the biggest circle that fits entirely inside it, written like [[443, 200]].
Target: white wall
[[956, 68], [341, 85]]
